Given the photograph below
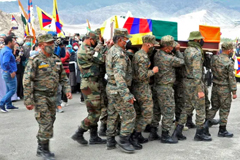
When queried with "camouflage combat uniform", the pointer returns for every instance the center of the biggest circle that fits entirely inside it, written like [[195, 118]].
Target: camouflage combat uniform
[[224, 83], [193, 84], [89, 59], [141, 88], [119, 71], [164, 81], [45, 73]]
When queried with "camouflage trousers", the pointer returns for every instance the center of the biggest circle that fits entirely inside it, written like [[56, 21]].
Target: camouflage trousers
[[117, 107], [192, 101], [45, 114], [156, 109], [165, 98], [91, 93], [143, 105], [179, 99], [103, 103], [221, 100]]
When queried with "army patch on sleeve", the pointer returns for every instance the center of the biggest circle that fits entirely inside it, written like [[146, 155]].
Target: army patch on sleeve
[[43, 65], [58, 63]]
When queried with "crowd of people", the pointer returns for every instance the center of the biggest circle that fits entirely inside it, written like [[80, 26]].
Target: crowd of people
[[128, 89]]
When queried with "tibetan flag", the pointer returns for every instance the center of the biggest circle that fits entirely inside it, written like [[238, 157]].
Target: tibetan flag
[[210, 33], [237, 71], [138, 27], [47, 23], [30, 21], [13, 18], [24, 15], [56, 17]]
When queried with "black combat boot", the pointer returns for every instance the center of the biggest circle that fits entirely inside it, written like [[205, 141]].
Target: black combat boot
[[78, 136], [148, 128], [134, 140], [43, 151], [190, 123], [141, 139], [125, 145], [103, 129], [177, 134], [111, 143], [213, 122], [40, 149], [153, 134], [94, 138], [223, 132], [201, 136], [166, 138], [206, 128]]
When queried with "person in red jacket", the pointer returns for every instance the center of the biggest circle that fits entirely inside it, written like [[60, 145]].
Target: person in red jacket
[[65, 62]]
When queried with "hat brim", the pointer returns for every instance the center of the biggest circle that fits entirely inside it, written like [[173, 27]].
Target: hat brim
[[155, 42], [128, 36], [50, 40]]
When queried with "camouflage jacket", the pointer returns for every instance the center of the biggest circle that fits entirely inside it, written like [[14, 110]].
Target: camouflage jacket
[[223, 71], [140, 64], [89, 60], [194, 66], [166, 64], [119, 71], [45, 73]]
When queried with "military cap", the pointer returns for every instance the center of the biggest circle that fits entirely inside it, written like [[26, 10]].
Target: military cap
[[122, 32], [227, 46], [195, 35], [98, 31], [167, 41], [45, 38], [149, 39], [92, 35]]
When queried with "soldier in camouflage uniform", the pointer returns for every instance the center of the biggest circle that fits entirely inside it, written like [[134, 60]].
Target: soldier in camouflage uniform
[[193, 88], [163, 84], [224, 87], [120, 100], [89, 59], [142, 90], [42, 68]]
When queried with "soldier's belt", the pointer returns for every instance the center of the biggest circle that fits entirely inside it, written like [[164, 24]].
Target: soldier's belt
[[166, 85], [49, 94], [215, 84], [95, 79]]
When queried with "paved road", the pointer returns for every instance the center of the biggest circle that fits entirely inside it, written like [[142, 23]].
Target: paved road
[[18, 142]]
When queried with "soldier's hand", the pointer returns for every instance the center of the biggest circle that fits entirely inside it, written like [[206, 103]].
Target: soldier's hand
[[100, 38], [234, 96], [200, 95], [155, 69], [29, 107], [177, 47], [132, 100], [69, 95]]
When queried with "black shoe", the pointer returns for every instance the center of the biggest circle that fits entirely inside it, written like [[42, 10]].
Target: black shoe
[[103, 129], [43, 151], [134, 140], [94, 138], [153, 134], [223, 132], [177, 134], [141, 139], [78, 136], [148, 128], [12, 107], [190, 123], [111, 143], [213, 122], [125, 145], [201, 136], [166, 138], [206, 128]]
